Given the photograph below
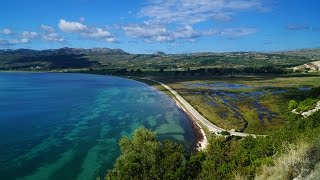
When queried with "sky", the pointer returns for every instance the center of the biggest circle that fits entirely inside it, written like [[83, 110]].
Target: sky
[[171, 26]]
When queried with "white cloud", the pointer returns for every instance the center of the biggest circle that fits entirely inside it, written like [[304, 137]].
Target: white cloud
[[186, 32], [72, 26], [159, 33], [6, 31], [145, 30], [172, 20], [86, 31], [244, 5], [52, 37], [222, 17], [297, 27], [14, 41], [47, 28], [192, 12], [4, 42], [97, 33], [24, 41], [24, 38], [238, 32], [49, 34], [111, 39], [29, 34]]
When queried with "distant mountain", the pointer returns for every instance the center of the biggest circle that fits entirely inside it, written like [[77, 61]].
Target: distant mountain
[[160, 53], [312, 53], [106, 58], [63, 58], [19, 51], [64, 51]]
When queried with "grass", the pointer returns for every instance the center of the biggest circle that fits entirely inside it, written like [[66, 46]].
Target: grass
[[253, 124], [199, 103], [276, 103], [298, 161]]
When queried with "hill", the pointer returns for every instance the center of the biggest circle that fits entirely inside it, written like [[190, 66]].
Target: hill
[[312, 53], [105, 58]]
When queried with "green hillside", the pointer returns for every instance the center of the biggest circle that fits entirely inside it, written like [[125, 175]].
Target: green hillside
[[70, 58]]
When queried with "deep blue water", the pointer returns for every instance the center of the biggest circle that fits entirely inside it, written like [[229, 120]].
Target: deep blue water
[[67, 126]]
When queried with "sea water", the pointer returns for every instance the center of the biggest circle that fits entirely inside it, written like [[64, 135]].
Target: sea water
[[67, 126]]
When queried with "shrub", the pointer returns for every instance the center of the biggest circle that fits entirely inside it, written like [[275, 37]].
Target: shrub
[[225, 133], [143, 157], [292, 105], [307, 104]]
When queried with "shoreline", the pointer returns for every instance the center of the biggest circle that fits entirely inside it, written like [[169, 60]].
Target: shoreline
[[200, 125], [202, 139], [201, 136], [195, 116]]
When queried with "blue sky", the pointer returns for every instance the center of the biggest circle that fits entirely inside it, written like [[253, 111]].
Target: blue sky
[[172, 26]]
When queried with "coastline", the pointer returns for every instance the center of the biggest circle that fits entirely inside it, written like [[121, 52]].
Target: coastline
[[202, 127], [194, 115], [202, 139], [201, 136]]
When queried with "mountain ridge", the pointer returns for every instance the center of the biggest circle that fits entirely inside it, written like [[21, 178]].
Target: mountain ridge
[[69, 50], [65, 50], [64, 58]]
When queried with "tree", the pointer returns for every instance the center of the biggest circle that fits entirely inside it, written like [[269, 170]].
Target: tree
[[143, 157], [138, 71]]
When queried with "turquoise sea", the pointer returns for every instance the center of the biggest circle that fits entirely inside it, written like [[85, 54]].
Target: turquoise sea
[[67, 126]]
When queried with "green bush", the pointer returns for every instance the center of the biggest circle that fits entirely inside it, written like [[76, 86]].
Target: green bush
[[143, 157], [225, 133], [307, 104], [292, 105]]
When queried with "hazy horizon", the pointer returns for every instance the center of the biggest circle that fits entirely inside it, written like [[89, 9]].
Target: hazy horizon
[[157, 51]]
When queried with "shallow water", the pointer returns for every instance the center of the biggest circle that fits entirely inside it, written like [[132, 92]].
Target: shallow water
[[305, 88], [67, 126], [219, 85], [229, 99]]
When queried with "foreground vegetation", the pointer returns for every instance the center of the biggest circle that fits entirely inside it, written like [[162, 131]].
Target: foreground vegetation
[[289, 152], [296, 146], [304, 105]]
